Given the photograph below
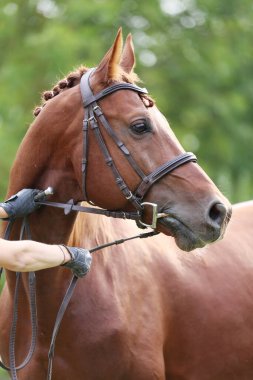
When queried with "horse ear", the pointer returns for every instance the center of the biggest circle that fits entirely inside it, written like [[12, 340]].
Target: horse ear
[[109, 68], [128, 57]]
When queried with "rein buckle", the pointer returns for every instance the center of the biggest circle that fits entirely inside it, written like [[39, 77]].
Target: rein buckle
[[155, 215]]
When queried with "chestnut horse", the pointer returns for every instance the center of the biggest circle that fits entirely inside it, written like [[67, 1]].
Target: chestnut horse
[[120, 323], [153, 312]]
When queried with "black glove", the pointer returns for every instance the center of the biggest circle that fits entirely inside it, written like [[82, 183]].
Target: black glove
[[80, 261], [21, 204]]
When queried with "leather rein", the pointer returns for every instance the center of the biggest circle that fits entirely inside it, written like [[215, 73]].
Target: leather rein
[[93, 118]]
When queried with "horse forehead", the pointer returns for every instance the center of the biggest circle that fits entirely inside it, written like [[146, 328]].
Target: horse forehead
[[156, 115], [128, 105], [122, 102]]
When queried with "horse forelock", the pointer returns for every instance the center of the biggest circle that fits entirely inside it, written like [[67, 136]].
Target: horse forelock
[[73, 79]]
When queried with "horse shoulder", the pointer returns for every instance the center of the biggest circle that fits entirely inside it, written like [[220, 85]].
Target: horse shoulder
[[210, 301]]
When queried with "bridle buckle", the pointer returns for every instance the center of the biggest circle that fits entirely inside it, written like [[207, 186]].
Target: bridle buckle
[[155, 215]]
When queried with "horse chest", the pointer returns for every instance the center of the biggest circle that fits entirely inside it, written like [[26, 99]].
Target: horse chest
[[110, 332], [211, 328]]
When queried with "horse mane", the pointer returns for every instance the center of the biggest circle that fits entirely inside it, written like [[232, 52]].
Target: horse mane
[[93, 225], [73, 79]]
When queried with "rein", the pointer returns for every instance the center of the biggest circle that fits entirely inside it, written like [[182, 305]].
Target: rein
[[70, 291], [25, 229]]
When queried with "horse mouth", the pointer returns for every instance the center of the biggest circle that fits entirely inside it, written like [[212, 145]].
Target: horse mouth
[[185, 238]]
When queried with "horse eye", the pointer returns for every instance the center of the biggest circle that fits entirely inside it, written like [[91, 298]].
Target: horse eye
[[140, 128]]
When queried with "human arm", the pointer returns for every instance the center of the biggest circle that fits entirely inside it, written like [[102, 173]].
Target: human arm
[[27, 256]]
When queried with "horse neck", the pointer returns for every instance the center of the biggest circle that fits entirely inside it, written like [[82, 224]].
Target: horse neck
[[45, 159], [93, 230]]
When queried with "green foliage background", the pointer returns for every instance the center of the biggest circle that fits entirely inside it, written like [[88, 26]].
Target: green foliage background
[[195, 56]]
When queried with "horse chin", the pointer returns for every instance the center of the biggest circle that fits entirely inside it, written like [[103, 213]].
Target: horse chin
[[184, 237]]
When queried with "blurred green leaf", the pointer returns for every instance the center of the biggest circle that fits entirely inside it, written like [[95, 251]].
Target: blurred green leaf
[[194, 56]]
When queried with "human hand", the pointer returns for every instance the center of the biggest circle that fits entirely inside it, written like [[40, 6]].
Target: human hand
[[80, 261], [21, 204]]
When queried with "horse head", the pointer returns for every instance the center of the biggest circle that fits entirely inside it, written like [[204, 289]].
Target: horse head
[[193, 210]]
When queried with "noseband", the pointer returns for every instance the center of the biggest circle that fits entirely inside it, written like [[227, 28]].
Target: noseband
[[92, 118]]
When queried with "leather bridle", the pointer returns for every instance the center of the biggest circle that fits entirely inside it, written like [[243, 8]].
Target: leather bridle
[[94, 117]]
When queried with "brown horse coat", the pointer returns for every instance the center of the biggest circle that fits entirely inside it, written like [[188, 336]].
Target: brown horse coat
[[150, 311], [168, 314], [135, 315]]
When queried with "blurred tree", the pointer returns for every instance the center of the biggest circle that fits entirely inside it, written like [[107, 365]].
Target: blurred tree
[[195, 57]]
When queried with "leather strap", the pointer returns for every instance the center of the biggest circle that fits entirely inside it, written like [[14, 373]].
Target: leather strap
[[98, 112], [70, 292], [88, 96], [57, 324], [93, 117], [25, 230], [92, 110], [85, 156], [70, 206], [163, 170]]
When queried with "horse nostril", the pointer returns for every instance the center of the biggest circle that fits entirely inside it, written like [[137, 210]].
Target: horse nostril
[[217, 213]]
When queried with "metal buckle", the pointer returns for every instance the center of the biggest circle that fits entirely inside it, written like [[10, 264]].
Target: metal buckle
[[129, 196], [155, 215], [91, 118]]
